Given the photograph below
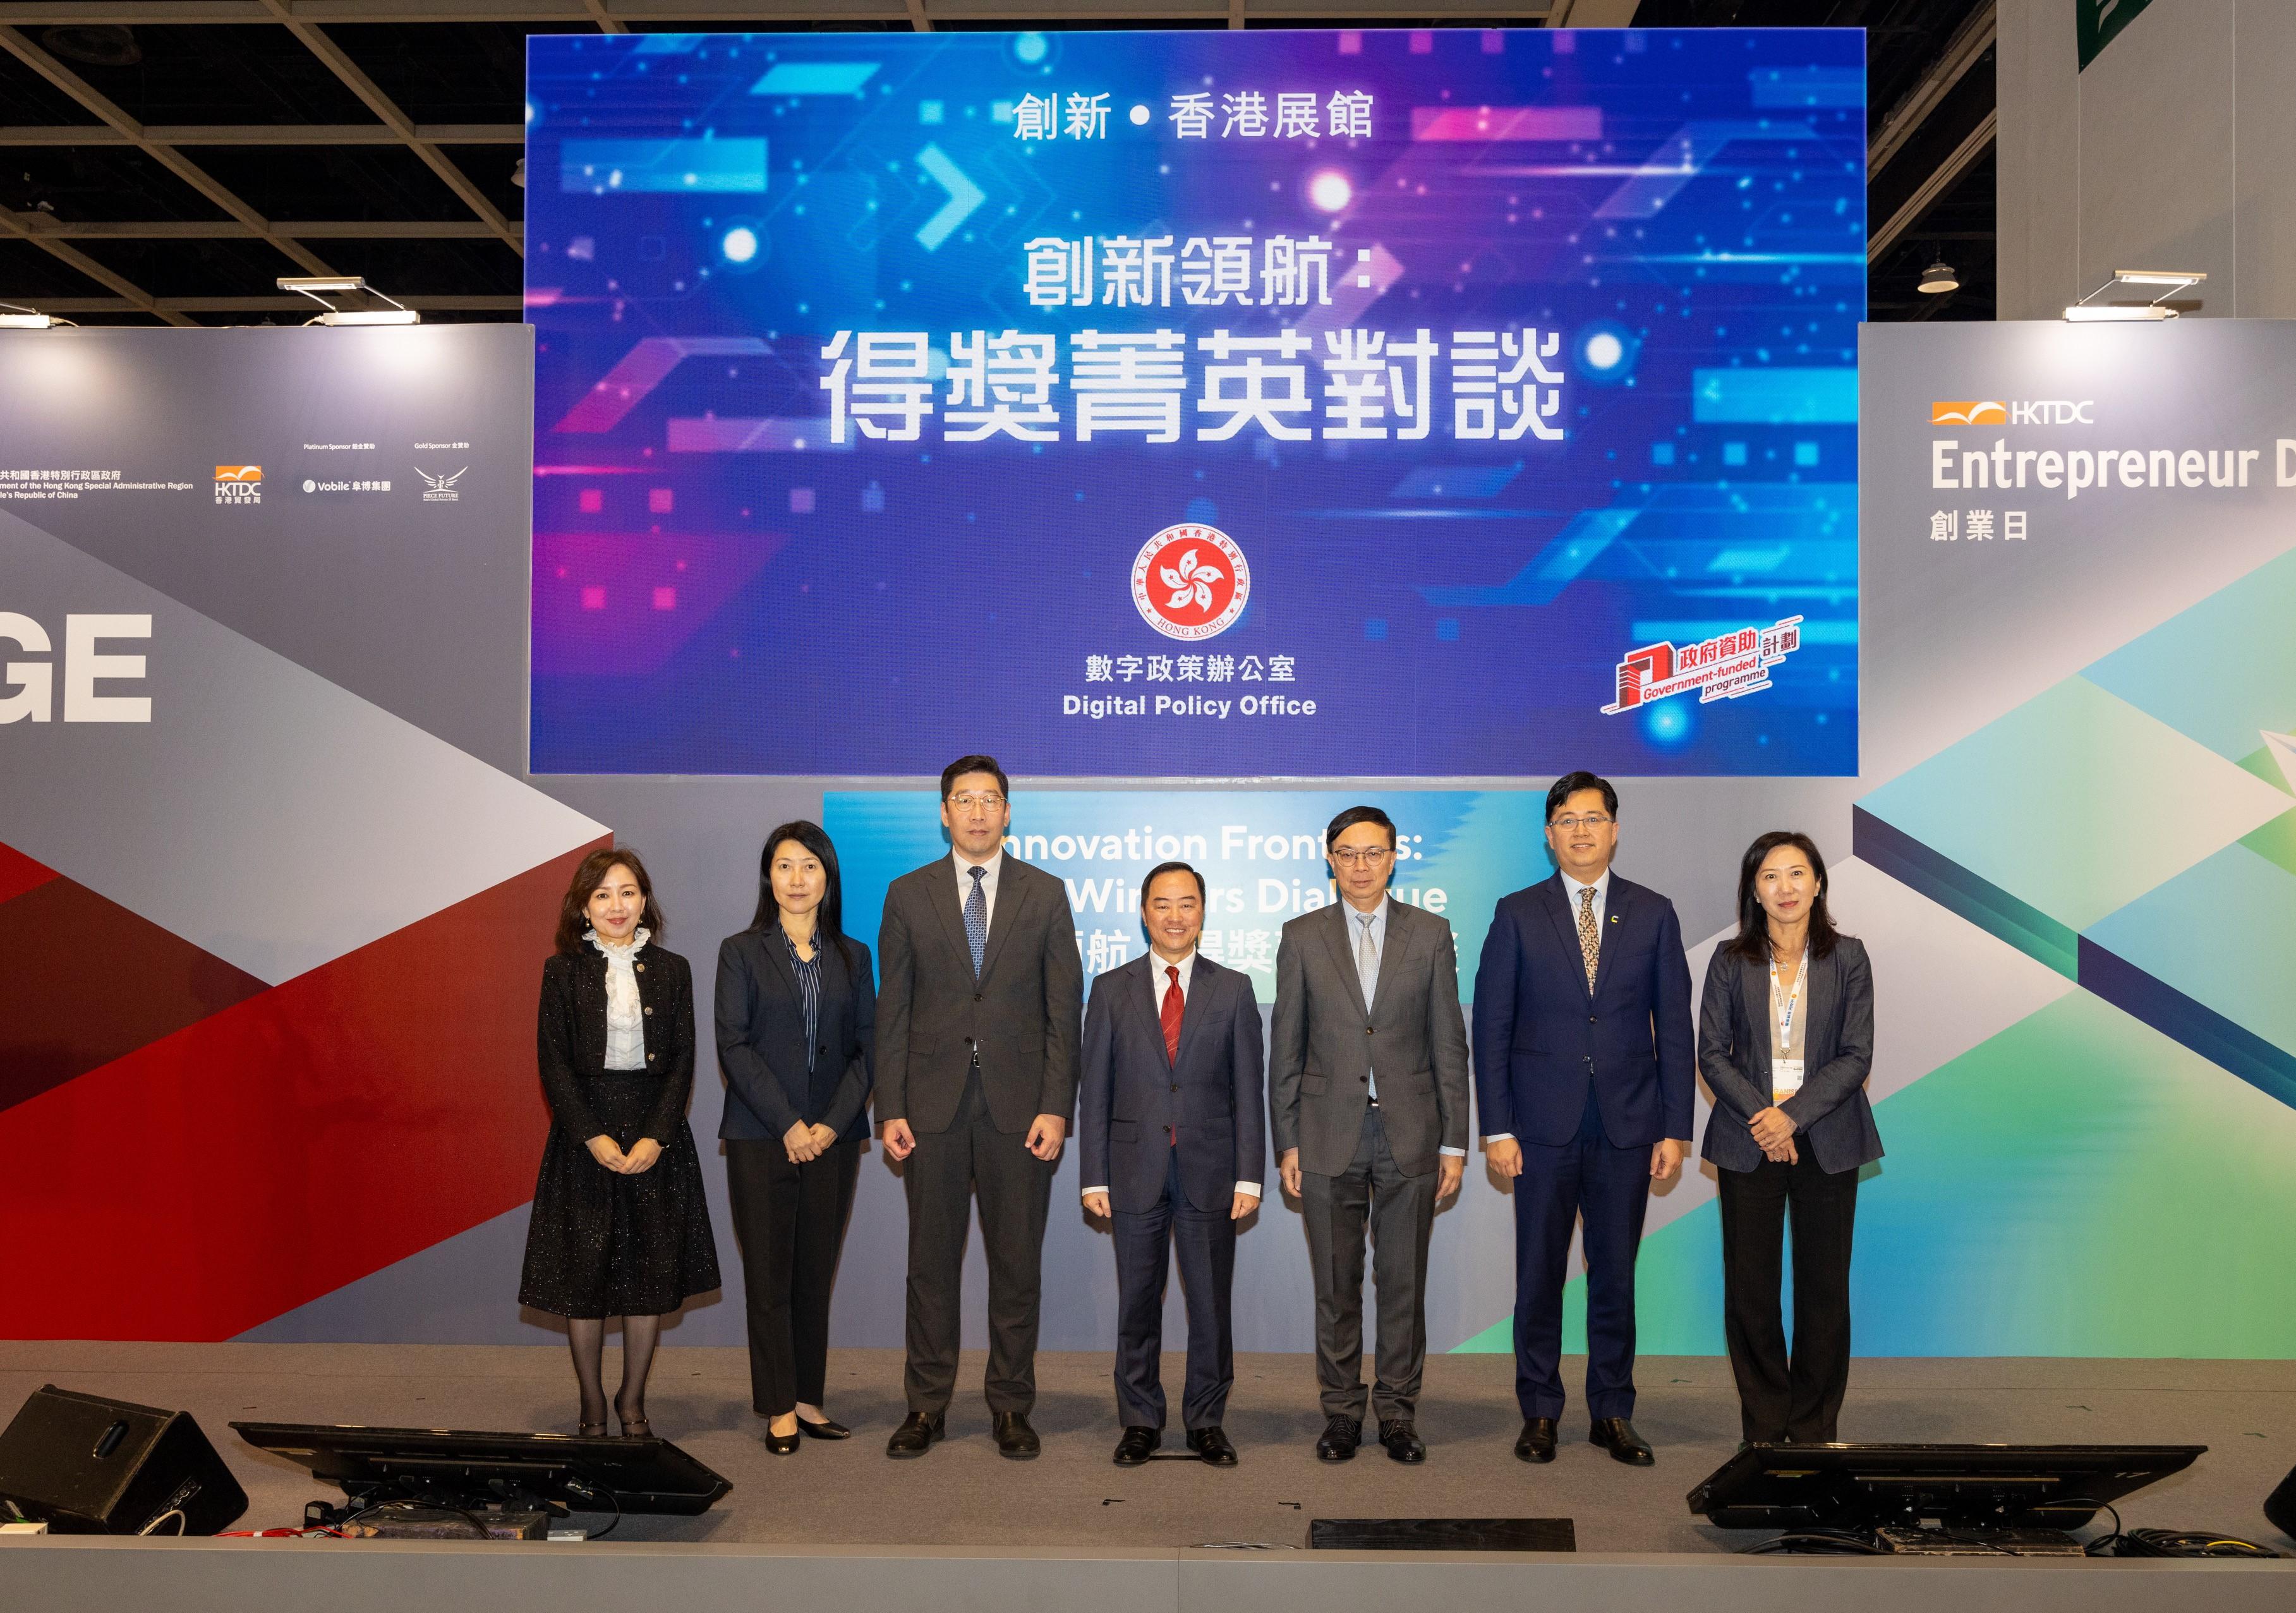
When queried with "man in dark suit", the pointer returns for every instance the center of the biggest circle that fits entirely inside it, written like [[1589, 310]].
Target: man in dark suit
[[1368, 1089], [1170, 1139], [976, 1077], [1583, 1069]]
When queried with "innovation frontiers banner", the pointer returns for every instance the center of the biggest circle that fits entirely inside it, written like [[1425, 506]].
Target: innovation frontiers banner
[[1261, 853], [1204, 404]]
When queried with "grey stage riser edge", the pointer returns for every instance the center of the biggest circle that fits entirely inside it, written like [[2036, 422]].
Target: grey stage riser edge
[[66, 1576]]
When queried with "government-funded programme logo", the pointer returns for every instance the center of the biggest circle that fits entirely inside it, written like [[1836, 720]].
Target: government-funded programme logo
[[1720, 669], [440, 489], [1190, 581], [239, 484], [2005, 412]]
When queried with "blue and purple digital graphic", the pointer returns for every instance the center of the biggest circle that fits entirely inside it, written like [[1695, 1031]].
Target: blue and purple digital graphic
[[1197, 405]]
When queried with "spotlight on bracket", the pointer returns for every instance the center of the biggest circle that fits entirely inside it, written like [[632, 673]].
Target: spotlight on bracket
[[2085, 312], [318, 288]]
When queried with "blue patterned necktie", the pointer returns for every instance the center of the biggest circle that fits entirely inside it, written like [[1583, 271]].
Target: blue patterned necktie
[[976, 921]]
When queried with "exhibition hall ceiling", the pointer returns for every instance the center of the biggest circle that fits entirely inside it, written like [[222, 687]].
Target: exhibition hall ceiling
[[167, 160]]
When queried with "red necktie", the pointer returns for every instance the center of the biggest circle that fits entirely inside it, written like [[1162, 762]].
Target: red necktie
[[1174, 1003]]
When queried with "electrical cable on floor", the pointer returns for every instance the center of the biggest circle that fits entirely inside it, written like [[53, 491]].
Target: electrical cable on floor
[[611, 1499], [2188, 1542], [1815, 1543]]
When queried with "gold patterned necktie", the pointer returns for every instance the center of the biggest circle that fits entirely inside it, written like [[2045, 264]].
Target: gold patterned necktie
[[1590, 944]]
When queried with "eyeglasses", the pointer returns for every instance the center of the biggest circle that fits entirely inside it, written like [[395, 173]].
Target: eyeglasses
[[966, 802], [1593, 820], [1368, 856]]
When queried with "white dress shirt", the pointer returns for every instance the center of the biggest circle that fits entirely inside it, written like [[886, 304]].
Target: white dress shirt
[[1161, 984], [625, 1013], [992, 868], [1570, 896], [1377, 921]]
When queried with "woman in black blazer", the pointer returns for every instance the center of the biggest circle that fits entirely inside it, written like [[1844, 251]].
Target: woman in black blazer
[[1785, 1039], [797, 1011], [620, 1227]]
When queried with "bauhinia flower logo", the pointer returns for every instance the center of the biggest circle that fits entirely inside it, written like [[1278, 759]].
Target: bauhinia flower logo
[[1190, 581]]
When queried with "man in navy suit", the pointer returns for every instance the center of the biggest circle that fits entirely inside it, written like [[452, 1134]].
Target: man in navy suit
[[1584, 1065], [1172, 1144]]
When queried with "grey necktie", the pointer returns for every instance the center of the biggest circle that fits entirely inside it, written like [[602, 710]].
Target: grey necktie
[[976, 920], [1367, 973]]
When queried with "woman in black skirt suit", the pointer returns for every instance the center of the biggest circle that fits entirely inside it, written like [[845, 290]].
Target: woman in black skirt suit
[[620, 1227], [797, 1013]]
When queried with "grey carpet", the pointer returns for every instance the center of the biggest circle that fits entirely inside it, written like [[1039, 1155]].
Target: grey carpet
[[964, 1494]]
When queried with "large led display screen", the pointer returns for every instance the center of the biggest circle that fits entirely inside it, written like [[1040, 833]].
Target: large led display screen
[[1259, 403]]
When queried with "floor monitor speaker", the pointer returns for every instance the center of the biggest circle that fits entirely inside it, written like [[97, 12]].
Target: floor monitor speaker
[[85, 1465]]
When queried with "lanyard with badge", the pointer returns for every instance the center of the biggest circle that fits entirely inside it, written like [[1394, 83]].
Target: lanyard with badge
[[1785, 1074]]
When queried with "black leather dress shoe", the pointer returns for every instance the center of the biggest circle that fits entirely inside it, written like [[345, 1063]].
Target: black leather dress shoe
[[1617, 1436], [1537, 1441], [1015, 1438], [915, 1435], [1402, 1440], [823, 1429], [1212, 1445], [1339, 1439], [781, 1445], [1137, 1446]]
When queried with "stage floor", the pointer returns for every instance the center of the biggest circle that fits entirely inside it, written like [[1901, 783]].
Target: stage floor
[[964, 1494]]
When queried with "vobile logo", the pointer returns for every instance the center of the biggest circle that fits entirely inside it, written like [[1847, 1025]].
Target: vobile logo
[[1190, 582], [239, 484]]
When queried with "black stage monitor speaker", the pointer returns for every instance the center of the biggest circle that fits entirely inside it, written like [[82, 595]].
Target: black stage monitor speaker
[[85, 1465], [2280, 1506]]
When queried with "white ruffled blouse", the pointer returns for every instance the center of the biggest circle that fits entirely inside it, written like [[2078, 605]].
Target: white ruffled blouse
[[625, 1014]]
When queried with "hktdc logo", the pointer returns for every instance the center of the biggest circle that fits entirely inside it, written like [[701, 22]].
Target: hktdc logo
[[2000, 412], [239, 484], [1190, 582]]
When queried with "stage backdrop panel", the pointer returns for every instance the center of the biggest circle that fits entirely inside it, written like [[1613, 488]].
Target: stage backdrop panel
[[269, 1025], [1197, 404]]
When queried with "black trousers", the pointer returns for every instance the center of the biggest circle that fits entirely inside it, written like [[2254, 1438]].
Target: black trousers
[[1604, 1192], [1778, 1400], [791, 1222], [1145, 1243], [1399, 1211], [943, 1177]]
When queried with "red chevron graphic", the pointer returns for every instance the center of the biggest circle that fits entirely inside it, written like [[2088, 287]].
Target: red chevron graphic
[[293, 1142], [19, 873], [99, 982]]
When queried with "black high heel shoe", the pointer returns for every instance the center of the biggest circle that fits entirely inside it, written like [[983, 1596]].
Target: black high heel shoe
[[639, 1428], [823, 1429], [783, 1444]]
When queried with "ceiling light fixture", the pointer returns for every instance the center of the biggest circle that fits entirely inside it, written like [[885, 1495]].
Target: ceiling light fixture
[[518, 173], [1939, 277], [13, 318], [319, 287], [2085, 312]]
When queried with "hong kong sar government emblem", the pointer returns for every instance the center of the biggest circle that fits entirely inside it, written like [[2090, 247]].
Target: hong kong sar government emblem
[[1190, 582]]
